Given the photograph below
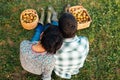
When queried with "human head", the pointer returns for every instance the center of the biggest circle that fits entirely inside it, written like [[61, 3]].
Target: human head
[[52, 39], [68, 25]]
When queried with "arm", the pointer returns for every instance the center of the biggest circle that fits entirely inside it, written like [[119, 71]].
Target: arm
[[85, 52], [48, 70]]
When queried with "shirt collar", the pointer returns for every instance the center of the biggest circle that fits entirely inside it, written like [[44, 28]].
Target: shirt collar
[[71, 39]]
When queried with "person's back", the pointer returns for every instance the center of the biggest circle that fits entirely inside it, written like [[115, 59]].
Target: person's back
[[71, 56]]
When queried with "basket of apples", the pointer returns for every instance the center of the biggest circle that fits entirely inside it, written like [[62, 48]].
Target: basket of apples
[[29, 19], [81, 15]]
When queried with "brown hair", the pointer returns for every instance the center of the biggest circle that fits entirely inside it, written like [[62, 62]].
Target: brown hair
[[52, 39], [68, 25]]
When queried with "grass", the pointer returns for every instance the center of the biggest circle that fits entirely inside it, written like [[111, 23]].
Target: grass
[[104, 35]]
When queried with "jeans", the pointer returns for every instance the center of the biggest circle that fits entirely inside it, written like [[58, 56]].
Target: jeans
[[40, 28]]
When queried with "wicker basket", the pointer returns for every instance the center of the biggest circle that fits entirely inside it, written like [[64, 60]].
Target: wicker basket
[[77, 12], [32, 24]]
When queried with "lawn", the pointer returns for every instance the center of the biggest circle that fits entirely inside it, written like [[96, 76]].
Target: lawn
[[102, 63]]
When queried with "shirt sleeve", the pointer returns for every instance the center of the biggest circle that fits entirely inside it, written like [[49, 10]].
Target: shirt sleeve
[[85, 42], [86, 45], [49, 67], [24, 46]]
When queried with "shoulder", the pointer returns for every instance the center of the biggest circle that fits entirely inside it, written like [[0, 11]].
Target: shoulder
[[27, 42], [83, 40], [50, 56], [49, 59], [24, 43], [24, 46], [83, 43]]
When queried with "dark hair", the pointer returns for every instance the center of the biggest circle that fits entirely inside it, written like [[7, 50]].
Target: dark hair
[[52, 39], [68, 25]]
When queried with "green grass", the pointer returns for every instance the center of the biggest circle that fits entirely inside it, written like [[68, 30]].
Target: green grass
[[103, 62]]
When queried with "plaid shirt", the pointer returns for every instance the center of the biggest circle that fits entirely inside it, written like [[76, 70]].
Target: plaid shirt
[[71, 56]]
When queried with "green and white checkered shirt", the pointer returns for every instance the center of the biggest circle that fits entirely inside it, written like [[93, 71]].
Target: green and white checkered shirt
[[71, 56]]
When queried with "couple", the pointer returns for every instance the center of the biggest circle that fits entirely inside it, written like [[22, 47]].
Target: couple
[[59, 48]]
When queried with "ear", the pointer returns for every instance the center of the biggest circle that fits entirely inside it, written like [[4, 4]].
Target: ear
[[41, 35]]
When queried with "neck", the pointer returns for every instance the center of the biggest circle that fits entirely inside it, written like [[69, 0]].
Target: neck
[[38, 48]]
